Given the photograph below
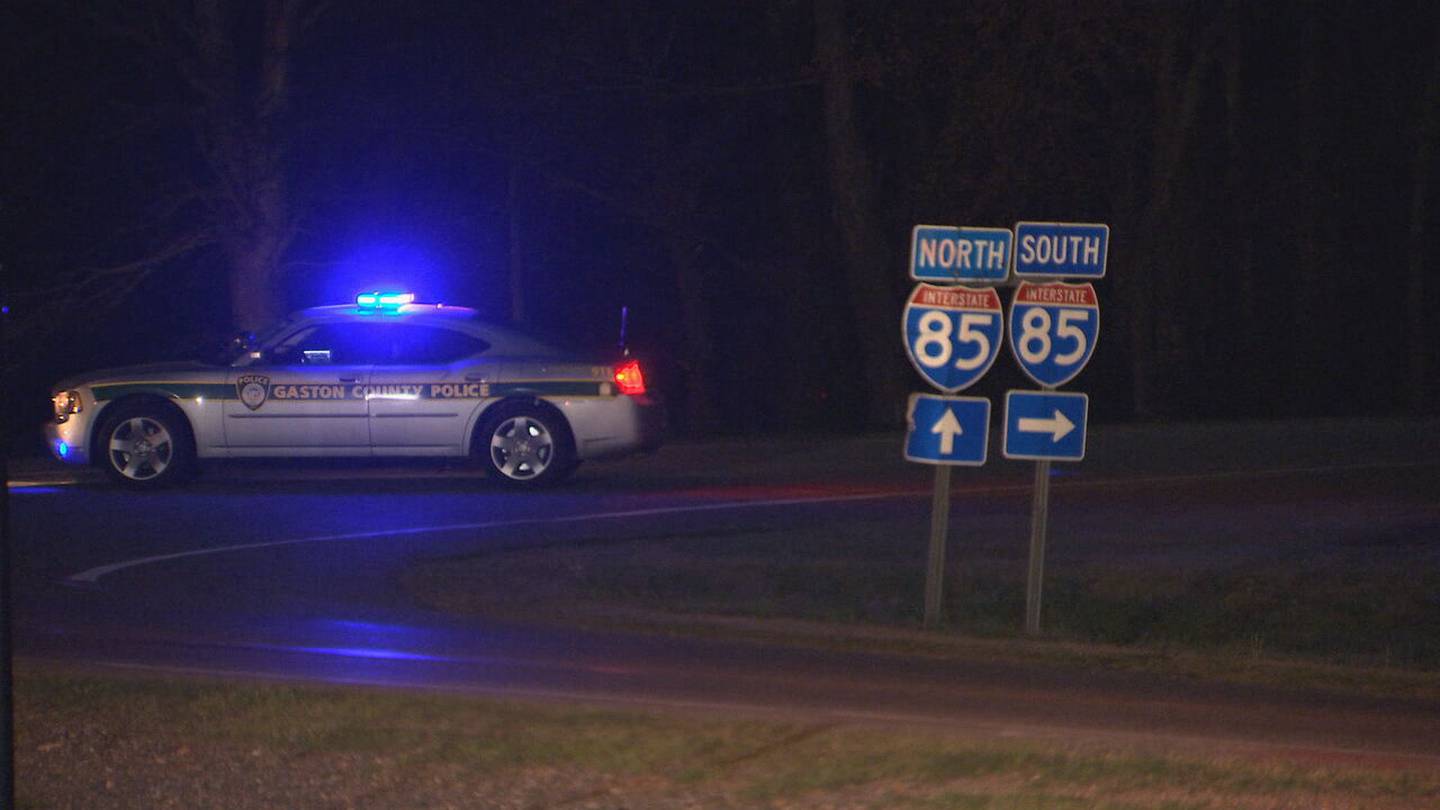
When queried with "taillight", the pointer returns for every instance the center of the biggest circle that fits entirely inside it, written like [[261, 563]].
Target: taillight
[[629, 379]]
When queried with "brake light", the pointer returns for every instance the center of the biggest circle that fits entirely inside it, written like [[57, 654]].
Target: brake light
[[629, 379]]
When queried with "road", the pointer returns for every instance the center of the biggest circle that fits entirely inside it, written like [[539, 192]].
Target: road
[[292, 573]]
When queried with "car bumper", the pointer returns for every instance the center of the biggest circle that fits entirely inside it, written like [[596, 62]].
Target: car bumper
[[611, 427], [66, 441]]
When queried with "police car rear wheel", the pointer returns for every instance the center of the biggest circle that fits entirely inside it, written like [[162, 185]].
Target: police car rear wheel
[[146, 448], [525, 446]]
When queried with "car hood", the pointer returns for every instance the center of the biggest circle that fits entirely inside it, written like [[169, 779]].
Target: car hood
[[184, 370]]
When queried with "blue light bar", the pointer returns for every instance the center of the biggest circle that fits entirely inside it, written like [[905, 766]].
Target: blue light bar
[[386, 300]]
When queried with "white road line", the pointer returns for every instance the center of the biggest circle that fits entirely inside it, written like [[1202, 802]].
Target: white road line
[[92, 575]]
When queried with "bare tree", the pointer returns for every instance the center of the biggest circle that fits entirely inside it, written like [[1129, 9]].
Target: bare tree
[[868, 275], [1183, 60], [220, 71], [240, 132]]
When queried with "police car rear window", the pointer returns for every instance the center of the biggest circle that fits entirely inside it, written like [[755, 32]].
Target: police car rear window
[[377, 344], [429, 345]]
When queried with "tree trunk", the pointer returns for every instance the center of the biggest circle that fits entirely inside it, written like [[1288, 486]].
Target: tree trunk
[[867, 273], [240, 139], [515, 257], [1419, 349], [1242, 211], [1177, 102], [701, 409], [1302, 373], [253, 301]]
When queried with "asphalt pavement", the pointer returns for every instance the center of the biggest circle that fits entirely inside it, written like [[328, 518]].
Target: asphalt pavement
[[281, 571]]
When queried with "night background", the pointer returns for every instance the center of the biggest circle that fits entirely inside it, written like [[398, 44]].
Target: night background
[[742, 176]]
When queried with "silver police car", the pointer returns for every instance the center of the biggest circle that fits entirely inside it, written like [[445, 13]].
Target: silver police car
[[382, 377]]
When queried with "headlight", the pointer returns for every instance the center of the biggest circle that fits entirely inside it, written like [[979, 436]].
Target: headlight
[[66, 403]]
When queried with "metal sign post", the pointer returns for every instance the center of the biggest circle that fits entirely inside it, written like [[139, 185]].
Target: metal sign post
[[1039, 520], [7, 657], [1044, 426], [939, 531], [7, 599], [946, 432], [1053, 330], [952, 334]]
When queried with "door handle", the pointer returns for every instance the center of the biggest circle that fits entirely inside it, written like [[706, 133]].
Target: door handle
[[477, 377], [349, 379]]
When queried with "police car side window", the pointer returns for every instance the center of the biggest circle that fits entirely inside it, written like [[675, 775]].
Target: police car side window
[[431, 345], [334, 344]]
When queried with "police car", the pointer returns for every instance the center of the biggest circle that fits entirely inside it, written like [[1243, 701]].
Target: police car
[[383, 377]]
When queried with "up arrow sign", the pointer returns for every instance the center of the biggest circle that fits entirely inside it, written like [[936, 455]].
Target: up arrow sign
[[1058, 426], [948, 428]]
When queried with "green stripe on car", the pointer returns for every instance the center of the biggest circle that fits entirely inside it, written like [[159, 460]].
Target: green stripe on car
[[174, 390]]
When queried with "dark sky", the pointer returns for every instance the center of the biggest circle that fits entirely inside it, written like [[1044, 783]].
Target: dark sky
[[1265, 170]]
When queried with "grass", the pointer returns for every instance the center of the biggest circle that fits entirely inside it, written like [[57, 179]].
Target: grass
[[1254, 616], [137, 742]]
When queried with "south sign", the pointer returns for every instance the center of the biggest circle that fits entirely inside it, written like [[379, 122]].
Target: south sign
[[1053, 328], [953, 334]]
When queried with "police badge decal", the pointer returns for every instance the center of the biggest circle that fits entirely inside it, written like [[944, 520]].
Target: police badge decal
[[252, 389]]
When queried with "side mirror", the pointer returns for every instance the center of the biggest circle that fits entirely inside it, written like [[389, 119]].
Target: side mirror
[[243, 349]]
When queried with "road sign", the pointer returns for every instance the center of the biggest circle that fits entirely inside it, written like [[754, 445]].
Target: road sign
[[1053, 328], [1045, 425], [946, 253], [1070, 249], [952, 334], [948, 430]]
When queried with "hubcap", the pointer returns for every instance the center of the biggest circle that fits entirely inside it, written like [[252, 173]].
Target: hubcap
[[141, 448], [521, 448]]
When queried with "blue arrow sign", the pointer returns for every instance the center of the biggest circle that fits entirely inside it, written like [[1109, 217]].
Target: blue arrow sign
[[946, 253], [1045, 425], [1058, 249], [948, 430]]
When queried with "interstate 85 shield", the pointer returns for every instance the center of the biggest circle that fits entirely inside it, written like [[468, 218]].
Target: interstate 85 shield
[[952, 334], [1053, 328]]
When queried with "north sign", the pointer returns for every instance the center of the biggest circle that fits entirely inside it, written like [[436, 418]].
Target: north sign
[[1053, 328], [952, 334], [1045, 425], [946, 253], [1061, 249], [947, 430]]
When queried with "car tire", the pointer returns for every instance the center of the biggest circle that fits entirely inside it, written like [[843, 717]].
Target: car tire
[[525, 445], [146, 446]]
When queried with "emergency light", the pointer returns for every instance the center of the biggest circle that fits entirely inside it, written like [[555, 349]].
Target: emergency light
[[384, 300]]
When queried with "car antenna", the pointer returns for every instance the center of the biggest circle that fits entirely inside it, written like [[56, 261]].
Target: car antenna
[[624, 323]]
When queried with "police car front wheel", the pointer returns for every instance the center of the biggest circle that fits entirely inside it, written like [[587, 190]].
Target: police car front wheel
[[526, 446], [146, 447]]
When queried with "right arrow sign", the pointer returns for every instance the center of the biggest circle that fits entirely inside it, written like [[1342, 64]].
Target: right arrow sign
[[1045, 425], [1058, 426]]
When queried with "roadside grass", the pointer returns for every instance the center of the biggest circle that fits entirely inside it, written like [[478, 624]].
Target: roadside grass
[[1339, 617], [134, 741]]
